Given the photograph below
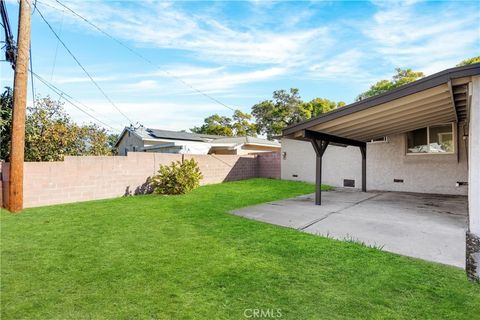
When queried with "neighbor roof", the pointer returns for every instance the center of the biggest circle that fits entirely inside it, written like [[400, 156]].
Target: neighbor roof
[[178, 135], [152, 134], [439, 98], [247, 140]]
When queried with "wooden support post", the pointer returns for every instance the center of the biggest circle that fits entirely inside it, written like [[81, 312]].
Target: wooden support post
[[17, 151], [319, 146], [364, 168], [318, 181]]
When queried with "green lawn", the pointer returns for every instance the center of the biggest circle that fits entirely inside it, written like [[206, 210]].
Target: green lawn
[[184, 257]]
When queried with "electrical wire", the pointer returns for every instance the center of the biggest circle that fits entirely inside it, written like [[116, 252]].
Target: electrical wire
[[63, 93], [56, 47], [141, 56], [31, 74], [69, 99], [83, 68], [10, 47]]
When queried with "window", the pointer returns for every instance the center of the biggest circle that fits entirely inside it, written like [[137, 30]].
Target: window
[[432, 139], [381, 139]]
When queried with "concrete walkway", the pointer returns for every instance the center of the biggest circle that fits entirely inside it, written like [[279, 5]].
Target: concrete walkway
[[429, 227]]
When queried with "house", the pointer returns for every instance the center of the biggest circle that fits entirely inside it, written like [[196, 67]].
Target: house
[[165, 141], [421, 137]]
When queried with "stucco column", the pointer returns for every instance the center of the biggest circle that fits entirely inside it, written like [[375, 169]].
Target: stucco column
[[473, 233]]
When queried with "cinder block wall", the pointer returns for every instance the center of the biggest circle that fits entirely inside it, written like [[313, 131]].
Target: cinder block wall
[[269, 165], [90, 178]]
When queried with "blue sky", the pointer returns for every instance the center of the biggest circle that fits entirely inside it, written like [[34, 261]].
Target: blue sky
[[238, 52]]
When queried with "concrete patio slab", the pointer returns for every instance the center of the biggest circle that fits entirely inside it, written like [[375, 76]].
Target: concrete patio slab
[[425, 226]]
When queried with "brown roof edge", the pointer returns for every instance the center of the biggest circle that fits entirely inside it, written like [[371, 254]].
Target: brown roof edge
[[429, 82]]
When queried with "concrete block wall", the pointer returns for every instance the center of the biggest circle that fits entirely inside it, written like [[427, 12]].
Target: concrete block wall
[[90, 178], [269, 165]]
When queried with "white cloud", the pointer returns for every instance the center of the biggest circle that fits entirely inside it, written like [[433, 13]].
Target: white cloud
[[407, 37], [209, 38], [69, 80], [160, 114], [208, 80], [343, 65], [143, 85]]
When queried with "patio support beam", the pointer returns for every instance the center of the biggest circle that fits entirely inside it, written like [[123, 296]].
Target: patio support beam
[[320, 142], [309, 135], [363, 150], [319, 146]]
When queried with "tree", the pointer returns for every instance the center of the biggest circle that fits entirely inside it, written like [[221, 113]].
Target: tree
[[402, 76], [273, 115], [216, 125], [287, 108], [224, 126], [111, 141], [6, 103], [96, 141], [469, 61], [318, 106], [242, 125], [50, 134]]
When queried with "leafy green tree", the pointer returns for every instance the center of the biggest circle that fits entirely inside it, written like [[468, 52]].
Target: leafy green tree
[[287, 108], [318, 106], [215, 124], [402, 76], [242, 125], [469, 61], [50, 134], [96, 141], [284, 109], [6, 103], [111, 141]]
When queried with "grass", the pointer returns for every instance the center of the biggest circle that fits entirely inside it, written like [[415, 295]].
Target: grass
[[184, 257]]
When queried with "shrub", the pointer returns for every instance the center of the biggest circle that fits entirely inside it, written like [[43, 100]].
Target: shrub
[[177, 178]]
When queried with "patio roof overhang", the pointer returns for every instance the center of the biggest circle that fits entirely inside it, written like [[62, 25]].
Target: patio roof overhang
[[439, 98]]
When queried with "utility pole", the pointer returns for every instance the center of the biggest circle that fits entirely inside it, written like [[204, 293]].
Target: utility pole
[[17, 147]]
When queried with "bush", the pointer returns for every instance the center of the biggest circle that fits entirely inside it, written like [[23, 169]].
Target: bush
[[177, 178]]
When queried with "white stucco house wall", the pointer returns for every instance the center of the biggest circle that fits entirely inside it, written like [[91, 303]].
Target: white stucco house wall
[[389, 167]]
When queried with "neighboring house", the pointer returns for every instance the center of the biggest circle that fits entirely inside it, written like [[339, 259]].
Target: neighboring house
[[165, 141], [421, 137]]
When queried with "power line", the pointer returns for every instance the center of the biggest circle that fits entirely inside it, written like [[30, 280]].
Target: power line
[[140, 55], [10, 46], [56, 47], [69, 99], [83, 68], [63, 94], [31, 74]]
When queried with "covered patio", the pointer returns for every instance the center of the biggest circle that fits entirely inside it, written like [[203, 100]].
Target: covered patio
[[425, 226], [430, 129], [442, 98]]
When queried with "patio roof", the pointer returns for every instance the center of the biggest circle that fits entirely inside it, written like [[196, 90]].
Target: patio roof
[[439, 98]]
